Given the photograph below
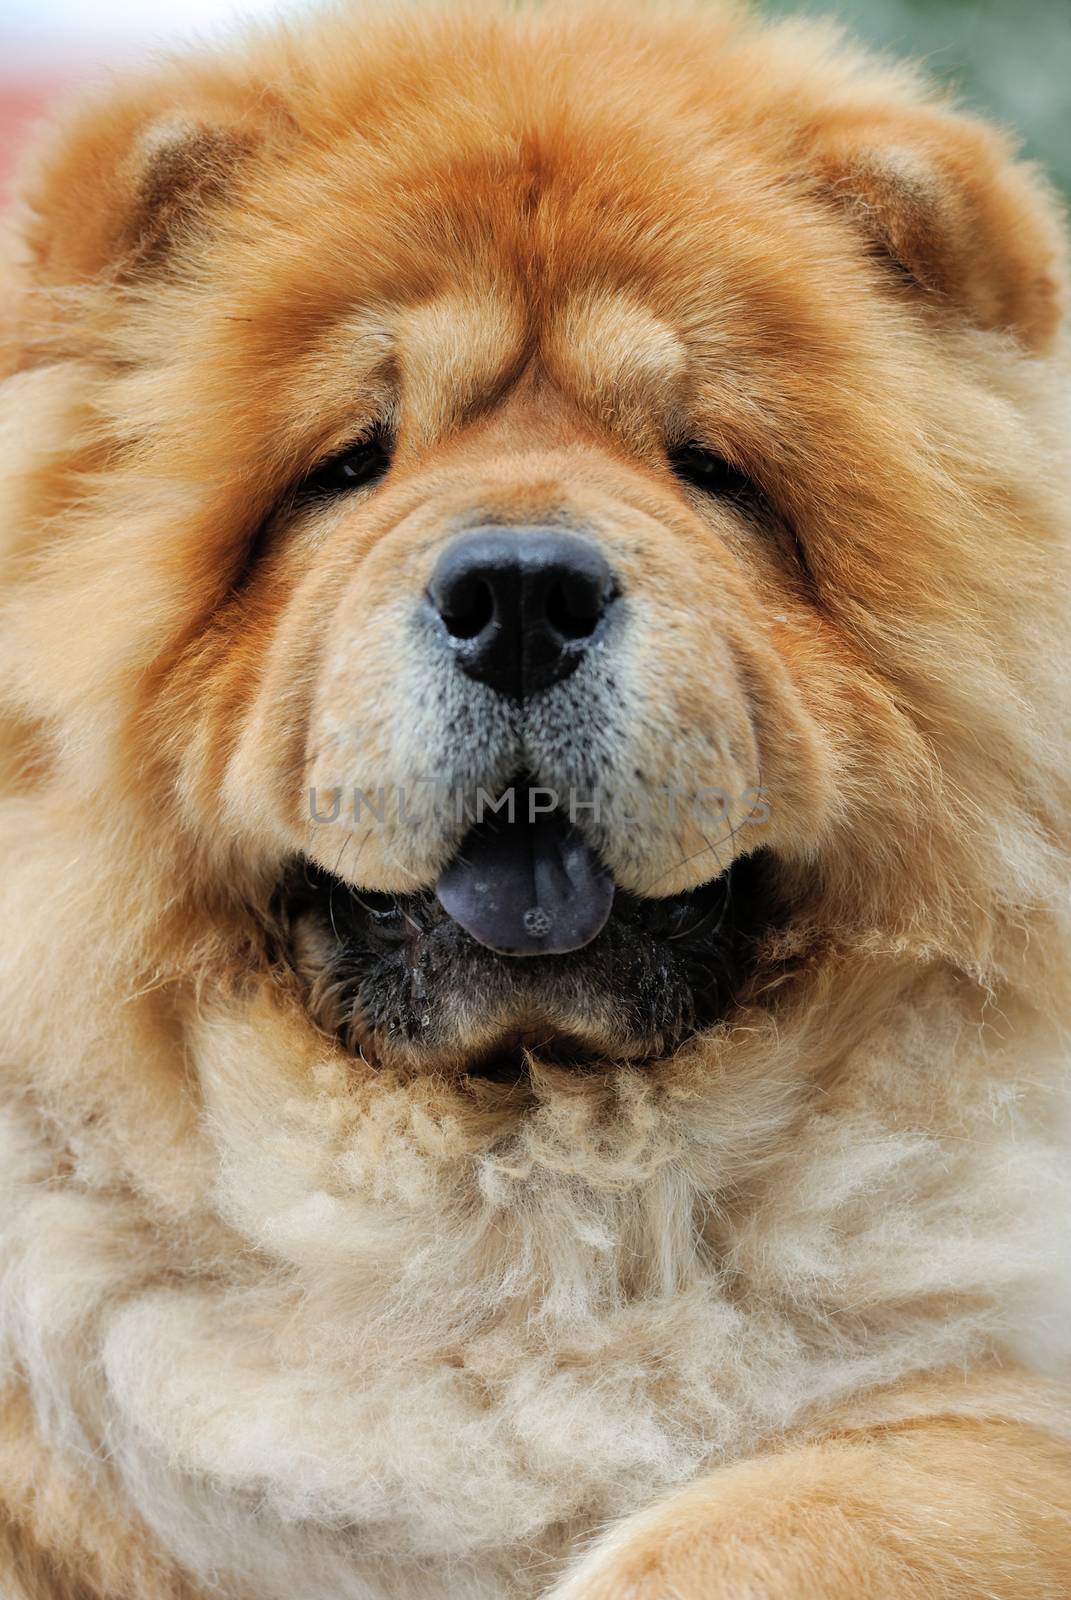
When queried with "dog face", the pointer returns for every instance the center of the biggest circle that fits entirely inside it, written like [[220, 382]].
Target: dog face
[[556, 557], [512, 641]]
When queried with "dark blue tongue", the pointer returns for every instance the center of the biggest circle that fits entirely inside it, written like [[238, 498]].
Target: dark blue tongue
[[527, 888]]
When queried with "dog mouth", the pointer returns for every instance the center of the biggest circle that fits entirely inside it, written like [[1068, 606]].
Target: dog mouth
[[524, 952], [527, 885]]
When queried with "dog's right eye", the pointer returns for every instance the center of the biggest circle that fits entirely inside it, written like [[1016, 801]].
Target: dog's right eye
[[713, 474], [359, 464]]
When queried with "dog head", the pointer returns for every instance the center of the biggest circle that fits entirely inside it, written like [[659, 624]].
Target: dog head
[[539, 550]]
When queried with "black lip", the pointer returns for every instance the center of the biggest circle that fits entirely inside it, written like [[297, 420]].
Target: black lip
[[394, 977]]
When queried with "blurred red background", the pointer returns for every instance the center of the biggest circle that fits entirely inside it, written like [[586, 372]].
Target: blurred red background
[[20, 102]]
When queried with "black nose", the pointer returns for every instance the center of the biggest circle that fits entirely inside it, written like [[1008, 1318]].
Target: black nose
[[521, 605]]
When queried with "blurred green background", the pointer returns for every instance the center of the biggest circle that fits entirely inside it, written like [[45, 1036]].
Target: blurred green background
[[1008, 58]]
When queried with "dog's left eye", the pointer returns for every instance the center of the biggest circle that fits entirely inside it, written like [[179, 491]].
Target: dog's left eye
[[713, 474], [359, 464]]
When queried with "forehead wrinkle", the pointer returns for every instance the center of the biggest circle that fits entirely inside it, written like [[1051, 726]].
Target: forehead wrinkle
[[455, 353], [341, 384], [624, 365]]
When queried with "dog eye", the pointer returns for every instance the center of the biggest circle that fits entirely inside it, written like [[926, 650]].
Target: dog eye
[[354, 467], [713, 474]]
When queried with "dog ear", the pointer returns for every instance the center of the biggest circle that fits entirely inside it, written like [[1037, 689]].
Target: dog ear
[[941, 196], [125, 180]]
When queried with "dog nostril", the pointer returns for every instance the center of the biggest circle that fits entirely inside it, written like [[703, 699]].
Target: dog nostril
[[468, 609], [573, 610]]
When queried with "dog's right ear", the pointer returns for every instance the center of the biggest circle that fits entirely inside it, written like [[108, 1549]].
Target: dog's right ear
[[124, 180], [940, 196]]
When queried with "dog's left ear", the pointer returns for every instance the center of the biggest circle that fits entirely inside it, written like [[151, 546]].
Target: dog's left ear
[[941, 196], [125, 179]]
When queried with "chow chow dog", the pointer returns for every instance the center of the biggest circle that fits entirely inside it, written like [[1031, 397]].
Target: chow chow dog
[[536, 786]]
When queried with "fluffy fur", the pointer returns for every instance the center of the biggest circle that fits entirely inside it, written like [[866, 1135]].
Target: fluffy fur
[[278, 1321]]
